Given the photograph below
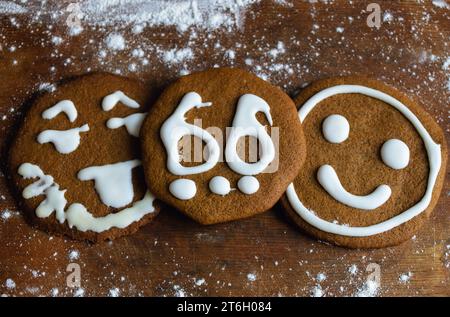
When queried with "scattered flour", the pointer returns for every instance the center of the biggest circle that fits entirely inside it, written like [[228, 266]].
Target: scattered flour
[[388, 17], [441, 4], [405, 277], [447, 256], [10, 284], [74, 255], [9, 7], [280, 49], [321, 277], [353, 269], [176, 56], [6, 214], [368, 289], [200, 281], [75, 30], [446, 68], [47, 87], [179, 292], [114, 292], [79, 292], [182, 14], [57, 40], [317, 291]]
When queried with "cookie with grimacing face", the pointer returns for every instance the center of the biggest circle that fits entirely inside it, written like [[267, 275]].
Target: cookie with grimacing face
[[375, 164], [75, 162], [221, 145]]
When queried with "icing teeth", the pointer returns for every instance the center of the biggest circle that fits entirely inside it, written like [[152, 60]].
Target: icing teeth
[[183, 189], [113, 182], [248, 185], [219, 185]]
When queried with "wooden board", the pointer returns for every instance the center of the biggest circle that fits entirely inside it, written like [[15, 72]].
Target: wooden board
[[263, 255]]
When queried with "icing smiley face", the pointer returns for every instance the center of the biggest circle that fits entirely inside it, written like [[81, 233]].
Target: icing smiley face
[[76, 160], [226, 111], [374, 167]]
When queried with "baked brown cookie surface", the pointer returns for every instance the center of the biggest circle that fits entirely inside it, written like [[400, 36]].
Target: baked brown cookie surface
[[75, 161], [234, 113], [375, 164]]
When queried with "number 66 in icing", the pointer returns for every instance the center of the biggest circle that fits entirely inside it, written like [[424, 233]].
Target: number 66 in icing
[[245, 123], [176, 127]]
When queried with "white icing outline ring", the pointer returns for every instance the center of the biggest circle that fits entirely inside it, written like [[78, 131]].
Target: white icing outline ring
[[434, 158]]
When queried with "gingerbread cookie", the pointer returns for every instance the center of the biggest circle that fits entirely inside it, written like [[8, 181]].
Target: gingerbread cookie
[[75, 161], [375, 164], [221, 145]]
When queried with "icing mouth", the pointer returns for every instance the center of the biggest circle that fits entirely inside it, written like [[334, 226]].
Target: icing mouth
[[328, 178]]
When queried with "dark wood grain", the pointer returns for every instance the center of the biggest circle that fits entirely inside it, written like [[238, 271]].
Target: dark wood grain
[[170, 255]]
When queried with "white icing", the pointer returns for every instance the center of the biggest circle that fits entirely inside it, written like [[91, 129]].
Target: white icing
[[65, 141], [219, 185], [327, 177], [395, 154], [76, 215], [248, 185], [183, 189], [335, 128], [175, 127], [113, 182], [65, 106], [434, 158], [132, 123], [110, 101], [245, 123]]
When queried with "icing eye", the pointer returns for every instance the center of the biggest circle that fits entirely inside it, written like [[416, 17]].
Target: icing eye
[[335, 128], [395, 154]]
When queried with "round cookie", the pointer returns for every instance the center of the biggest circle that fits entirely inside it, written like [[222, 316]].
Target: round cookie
[[375, 165], [234, 113], [75, 161]]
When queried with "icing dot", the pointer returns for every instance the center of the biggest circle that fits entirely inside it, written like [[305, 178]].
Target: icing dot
[[219, 185], [183, 189], [395, 154], [335, 128], [248, 185]]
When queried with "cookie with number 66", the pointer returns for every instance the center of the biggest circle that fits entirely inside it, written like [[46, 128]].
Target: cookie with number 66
[[221, 145]]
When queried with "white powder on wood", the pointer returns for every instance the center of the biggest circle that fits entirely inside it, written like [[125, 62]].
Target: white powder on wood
[[115, 42], [9, 7]]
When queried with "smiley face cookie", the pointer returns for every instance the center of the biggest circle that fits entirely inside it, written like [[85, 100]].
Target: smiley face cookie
[[375, 164], [75, 162], [221, 145]]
